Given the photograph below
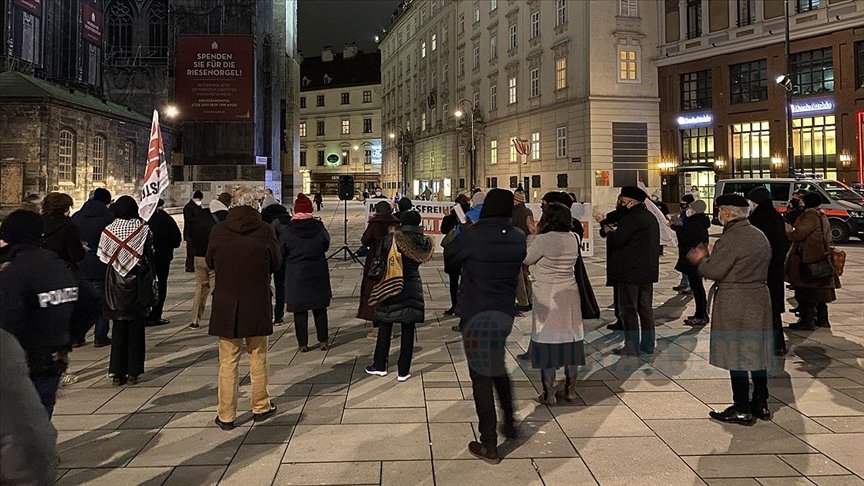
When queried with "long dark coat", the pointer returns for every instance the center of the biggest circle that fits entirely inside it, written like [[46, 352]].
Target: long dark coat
[[741, 323], [767, 220], [690, 235], [304, 244], [377, 229], [62, 237], [166, 235], [635, 246], [243, 252], [612, 218], [409, 306], [810, 239], [93, 217]]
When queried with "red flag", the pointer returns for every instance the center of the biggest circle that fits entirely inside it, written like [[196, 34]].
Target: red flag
[[156, 173], [521, 145]]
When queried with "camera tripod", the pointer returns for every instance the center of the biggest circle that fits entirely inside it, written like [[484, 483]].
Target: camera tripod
[[344, 249]]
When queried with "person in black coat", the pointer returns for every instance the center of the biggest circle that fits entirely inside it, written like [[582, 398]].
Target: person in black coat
[[304, 242], [277, 214], [766, 218], [190, 211], [453, 271], [166, 238], [200, 239], [611, 220], [37, 297], [407, 308], [635, 265], [61, 235], [93, 217], [691, 234], [491, 252]]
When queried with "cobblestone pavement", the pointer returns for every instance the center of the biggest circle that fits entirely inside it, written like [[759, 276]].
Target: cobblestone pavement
[[640, 420]]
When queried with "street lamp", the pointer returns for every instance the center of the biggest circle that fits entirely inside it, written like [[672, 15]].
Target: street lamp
[[171, 111], [459, 113], [404, 137]]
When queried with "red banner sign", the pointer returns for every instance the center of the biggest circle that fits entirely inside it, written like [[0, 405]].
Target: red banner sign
[[92, 22], [32, 6], [214, 77]]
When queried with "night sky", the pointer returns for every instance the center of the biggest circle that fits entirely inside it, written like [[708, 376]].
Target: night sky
[[336, 22]]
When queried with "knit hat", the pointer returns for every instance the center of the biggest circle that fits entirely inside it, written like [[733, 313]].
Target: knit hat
[[404, 204], [699, 207], [518, 197], [759, 194], [410, 218], [559, 197], [103, 195], [22, 226], [479, 198], [383, 208], [197, 195], [303, 204], [736, 200], [633, 192], [812, 200], [687, 198], [498, 204]]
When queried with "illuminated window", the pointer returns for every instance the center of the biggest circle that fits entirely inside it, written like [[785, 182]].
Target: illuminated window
[[493, 151], [302, 129], [535, 82], [346, 127], [65, 163], [697, 146], [628, 64], [535, 146], [422, 49], [815, 143], [561, 73], [511, 89], [514, 156], [434, 41], [751, 150]]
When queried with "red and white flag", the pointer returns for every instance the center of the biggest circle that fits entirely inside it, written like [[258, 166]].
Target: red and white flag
[[156, 174], [522, 148]]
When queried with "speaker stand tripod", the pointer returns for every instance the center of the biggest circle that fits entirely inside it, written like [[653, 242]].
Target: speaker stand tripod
[[345, 250]]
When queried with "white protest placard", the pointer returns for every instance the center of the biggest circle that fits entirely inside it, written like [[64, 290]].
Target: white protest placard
[[431, 214]]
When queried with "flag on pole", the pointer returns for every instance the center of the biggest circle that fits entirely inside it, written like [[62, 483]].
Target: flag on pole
[[521, 146], [156, 173]]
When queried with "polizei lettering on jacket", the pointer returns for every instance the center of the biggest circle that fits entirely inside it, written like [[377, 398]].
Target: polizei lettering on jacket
[[57, 297]]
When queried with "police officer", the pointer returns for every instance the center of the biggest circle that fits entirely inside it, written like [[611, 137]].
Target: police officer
[[37, 295]]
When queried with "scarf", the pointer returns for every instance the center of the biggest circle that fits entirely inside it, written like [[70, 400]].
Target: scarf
[[122, 244], [301, 216]]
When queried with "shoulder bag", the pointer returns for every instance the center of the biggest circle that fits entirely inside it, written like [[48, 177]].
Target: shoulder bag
[[587, 299], [392, 282], [379, 262], [824, 268]]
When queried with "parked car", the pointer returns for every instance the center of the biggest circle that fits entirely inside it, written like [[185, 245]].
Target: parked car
[[843, 206]]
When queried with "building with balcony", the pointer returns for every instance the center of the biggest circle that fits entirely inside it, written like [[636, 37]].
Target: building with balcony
[[572, 79], [723, 86], [340, 120]]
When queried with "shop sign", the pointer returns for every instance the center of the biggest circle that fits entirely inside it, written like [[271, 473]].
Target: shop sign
[[811, 106], [333, 160], [695, 120]]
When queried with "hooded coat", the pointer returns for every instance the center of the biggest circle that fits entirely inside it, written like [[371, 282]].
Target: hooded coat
[[409, 306], [811, 242], [93, 217], [243, 251], [379, 226], [304, 244], [63, 238], [690, 235]]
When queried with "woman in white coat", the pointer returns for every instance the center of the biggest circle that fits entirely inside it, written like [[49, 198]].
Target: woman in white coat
[[557, 334]]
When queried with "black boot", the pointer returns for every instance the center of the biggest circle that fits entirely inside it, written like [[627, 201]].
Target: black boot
[[568, 394], [548, 396], [822, 316], [760, 410], [807, 321], [487, 452]]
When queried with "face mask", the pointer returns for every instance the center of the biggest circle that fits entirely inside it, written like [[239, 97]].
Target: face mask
[[377, 193], [690, 213], [198, 201]]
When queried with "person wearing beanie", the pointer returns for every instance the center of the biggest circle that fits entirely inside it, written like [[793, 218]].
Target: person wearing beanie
[[811, 243], [450, 226], [226, 199], [491, 252], [304, 242], [523, 218], [37, 298], [380, 225], [166, 238], [741, 339], [202, 226], [404, 204], [692, 233], [190, 211], [766, 219], [634, 263], [408, 308], [91, 219]]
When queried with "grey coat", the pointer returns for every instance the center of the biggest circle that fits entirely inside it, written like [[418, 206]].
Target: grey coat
[[741, 312]]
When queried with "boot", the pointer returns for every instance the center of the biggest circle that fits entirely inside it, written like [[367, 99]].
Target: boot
[[568, 394], [822, 316], [807, 321], [548, 395]]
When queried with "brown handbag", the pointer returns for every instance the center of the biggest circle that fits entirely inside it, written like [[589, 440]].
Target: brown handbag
[[838, 258]]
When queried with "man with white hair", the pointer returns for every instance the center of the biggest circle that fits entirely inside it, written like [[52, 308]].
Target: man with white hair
[[741, 327]]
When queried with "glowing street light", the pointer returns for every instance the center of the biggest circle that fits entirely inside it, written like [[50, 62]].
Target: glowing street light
[[392, 135], [171, 111], [459, 113]]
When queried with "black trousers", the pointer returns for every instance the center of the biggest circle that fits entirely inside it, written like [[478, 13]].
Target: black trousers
[[190, 257], [741, 389], [127, 349], [484, 403], [485, 350], [301, 326], [279, 289], [778, 305], [454, 289], [698, 288], [162, 269], [615, 301], [637, 313], [406, 350]]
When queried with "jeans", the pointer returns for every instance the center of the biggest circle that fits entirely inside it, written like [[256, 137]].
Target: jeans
[[229, 379], [637, 312], [695, 281], [100, 333], [205, 280], [523, 288], [161, 268], [279, 290], [741, 389], [127, 349], [301, 326], [46, 387], [406, 350]]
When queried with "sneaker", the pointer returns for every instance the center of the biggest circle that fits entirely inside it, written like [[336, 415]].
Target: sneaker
[[79, 344], [679, 288], [400, 377], [323, 346], [685, 291], [480, 451], [616, 326], [510, 431], [258, 417], [101, 343], [278, 322], [696, 321], [372, 370], [224, 425], [194, 325], [68, 379]]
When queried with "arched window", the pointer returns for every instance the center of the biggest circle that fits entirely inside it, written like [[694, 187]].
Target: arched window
[[120, 25], [158, 28], [129, 161], [66, 160], [98, 154]]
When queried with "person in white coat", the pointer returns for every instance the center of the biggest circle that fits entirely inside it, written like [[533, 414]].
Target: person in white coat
[[557, 332]]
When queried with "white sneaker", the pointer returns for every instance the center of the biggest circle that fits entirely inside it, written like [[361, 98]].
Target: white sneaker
[[403, 378], [68, 379]]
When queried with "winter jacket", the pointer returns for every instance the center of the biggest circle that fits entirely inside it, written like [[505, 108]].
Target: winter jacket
[[166, 235], [131, 297], [635, 247], [612, 218], [491, 252], [304, 244], [811, 243], [767, 220], [190, 212], [375, 232], [93, 217], [28, 453], [521, 213], [62, 237], [557, 316], [272, 212], [203, 225], [409, 306], [37, 297], [243, 251], [690, 235]]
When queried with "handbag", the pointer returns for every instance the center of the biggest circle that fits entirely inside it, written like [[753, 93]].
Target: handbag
[[587, 299], [838, 259], [824, 268], [379, 262], [448, 238], [392, 282]]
